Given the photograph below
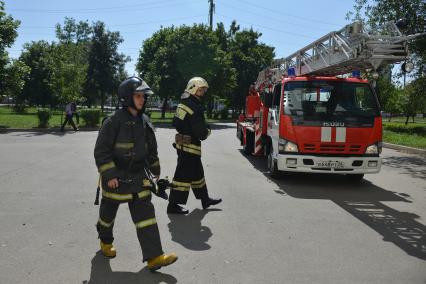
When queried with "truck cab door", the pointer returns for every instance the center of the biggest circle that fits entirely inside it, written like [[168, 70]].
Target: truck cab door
[[273, 118]]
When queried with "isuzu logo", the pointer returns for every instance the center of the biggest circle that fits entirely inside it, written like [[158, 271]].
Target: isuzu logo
[[333, 124]]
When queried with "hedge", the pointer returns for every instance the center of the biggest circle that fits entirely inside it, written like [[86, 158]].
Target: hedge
[[91, 117], [43, 115]]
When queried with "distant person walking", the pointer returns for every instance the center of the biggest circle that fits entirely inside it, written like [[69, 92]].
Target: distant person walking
[[70, 109]]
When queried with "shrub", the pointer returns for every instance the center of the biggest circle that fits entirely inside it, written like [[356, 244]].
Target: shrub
[[91, 117], [43, 115], [408, 129], [19, 108]]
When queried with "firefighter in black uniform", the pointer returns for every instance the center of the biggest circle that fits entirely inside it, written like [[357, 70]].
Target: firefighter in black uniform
[[190, 124], [125, 149]]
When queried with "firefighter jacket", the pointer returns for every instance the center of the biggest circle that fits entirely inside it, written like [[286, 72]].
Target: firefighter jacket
[[126, 145], [189, 120]]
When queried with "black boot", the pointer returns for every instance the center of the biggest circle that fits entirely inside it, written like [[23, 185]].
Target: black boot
[[210, 201], [174, 208]]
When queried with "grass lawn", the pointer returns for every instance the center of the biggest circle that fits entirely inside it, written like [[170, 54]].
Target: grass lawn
[[395, 132], [29, 119], [411, 140], [412, 134], [10, 119]]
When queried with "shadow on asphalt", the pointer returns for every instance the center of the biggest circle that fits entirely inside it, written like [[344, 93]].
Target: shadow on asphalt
[[101, 273], [188, 231], [213, 126], [34, 133], [414, 165], [57, 132], [363, 200]]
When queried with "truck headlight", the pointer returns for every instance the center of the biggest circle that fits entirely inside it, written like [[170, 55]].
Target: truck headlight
[[372, 150], [285, 146]]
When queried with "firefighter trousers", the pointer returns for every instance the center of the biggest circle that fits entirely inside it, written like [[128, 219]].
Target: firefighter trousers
[[143, 216], [189, 174]]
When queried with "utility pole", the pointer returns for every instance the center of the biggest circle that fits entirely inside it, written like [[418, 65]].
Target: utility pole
[[211, 11]]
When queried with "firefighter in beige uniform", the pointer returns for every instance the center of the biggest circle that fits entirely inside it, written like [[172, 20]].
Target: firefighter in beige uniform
[[125, 148], [190, 124]]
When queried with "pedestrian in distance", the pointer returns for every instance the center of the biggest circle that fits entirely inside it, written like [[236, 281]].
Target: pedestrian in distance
[[75, 112], [70, 110], [191, 126], [126, 157]]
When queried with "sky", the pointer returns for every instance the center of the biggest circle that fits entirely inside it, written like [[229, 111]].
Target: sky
[[284, 24]]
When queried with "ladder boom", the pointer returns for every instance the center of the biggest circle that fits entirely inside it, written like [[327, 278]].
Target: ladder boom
[[341, 52]]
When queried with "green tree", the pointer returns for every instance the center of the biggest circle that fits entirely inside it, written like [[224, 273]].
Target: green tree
[[73, 32], [390, 97], [68, 72], [415, 94], [37, 89], [70, 55], [173, 55], [8, 34], [104, 64], [16, 74], [248, 58]]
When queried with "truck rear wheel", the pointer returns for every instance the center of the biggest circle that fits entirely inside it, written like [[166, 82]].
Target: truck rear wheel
[[249, 146]]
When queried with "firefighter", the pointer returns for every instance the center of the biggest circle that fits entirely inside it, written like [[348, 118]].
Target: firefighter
[[191, 127], [125, 148]]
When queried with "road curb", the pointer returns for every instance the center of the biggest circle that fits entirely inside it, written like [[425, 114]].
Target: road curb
[[405, 149]]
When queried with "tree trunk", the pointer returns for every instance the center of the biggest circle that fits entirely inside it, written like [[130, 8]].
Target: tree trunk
[[210, 108], [390, 116], [164, 108], [406, 121], [102, 101]]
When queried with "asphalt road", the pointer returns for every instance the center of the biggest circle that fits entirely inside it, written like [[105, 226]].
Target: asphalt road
[[298, 229]]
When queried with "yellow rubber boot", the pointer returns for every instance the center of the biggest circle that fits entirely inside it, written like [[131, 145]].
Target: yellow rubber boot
[[162, 260], [108, 250]]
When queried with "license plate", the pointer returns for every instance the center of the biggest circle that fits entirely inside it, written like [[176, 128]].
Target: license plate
[[330, 164]]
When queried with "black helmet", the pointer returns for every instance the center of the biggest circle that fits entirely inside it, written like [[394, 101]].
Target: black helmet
[[132, 85]]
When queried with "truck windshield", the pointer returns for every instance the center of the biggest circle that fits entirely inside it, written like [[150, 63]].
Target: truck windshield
[[317, 101]]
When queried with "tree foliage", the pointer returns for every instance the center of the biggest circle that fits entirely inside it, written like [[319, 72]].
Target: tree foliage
[[105, 64], [229, 61], [82, 66], [17, 72], [8, 34], [174, 55], [38, 89], [248, 57], [68, 71], [414, 100]]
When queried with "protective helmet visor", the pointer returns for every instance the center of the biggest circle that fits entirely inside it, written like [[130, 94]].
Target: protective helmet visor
[[144, 88]]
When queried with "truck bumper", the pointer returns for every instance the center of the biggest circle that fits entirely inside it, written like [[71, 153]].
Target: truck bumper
[[329, 164]]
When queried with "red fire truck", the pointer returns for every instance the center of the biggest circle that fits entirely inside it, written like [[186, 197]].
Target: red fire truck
[[305, 116]]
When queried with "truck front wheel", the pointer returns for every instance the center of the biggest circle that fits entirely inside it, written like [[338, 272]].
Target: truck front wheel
[[272, 165], [355, 177]]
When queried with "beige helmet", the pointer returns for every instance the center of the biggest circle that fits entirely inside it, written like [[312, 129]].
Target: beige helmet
[[194, 84]]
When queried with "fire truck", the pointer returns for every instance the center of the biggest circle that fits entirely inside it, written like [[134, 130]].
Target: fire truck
[[305, 113]]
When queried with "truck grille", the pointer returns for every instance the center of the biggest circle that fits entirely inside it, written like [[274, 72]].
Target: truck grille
[[331, 148], [309, 147], [354, 148]]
